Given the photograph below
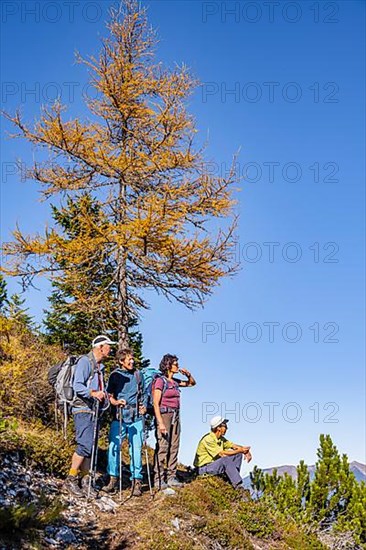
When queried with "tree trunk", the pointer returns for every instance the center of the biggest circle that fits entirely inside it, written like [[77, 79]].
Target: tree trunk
[[122, 301], [123, 341]]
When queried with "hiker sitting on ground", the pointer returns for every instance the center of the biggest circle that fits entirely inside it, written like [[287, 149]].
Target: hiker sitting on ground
[[166, 399], [88, 386], [128, 397], [216, 455]]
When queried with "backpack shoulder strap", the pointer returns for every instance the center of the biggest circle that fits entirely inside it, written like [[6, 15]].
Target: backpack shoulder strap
[[92, 361], [165, 382], [93, 366], [138, 377]]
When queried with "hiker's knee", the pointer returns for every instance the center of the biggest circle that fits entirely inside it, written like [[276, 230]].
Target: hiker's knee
[[84, 451], [114, 433], [238, 457], [232, 461]]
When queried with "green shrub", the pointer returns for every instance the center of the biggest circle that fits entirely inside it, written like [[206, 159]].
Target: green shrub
[[38, 446], [207, 495], [7, 424], [257, 519], [298, 540], [47, 451], [20, 518]]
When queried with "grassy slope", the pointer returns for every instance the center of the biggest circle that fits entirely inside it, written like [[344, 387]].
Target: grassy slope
[[210, 512], [207, 512]]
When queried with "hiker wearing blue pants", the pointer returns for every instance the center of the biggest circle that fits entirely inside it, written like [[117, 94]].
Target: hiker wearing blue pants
[[216, 455], [128, 397], [134, 433]]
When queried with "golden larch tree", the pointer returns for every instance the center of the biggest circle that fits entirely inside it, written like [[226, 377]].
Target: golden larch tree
[[159, 206]]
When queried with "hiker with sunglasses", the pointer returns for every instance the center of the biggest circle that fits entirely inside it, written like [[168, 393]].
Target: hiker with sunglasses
[[166, 400], [128, 398]]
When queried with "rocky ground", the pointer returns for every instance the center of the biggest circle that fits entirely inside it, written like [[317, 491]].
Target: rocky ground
[[72, 522], [35, 513], [78, 522]]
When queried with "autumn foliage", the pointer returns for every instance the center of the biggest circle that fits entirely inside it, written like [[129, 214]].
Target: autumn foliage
[[24, 363], [164, 221]]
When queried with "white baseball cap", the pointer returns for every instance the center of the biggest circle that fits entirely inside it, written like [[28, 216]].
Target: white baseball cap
[[217, 420], [102, 339]]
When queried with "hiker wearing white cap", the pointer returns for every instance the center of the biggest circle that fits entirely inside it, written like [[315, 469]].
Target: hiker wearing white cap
[[216, 455], [88, 386]]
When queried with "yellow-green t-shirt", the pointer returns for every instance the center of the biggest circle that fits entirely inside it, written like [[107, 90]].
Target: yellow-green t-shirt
[[208, 449]]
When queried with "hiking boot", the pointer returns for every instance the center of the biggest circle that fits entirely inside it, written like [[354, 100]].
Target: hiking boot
[[174, 482], [88, 492], [112, 485], [71, 484], [136, 488], [99, 483], [160, 484]]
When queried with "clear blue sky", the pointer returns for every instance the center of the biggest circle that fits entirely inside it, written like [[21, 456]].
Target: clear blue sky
[[285, 84]]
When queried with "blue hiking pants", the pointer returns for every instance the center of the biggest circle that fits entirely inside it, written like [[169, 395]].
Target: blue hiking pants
[[134, 432], [229, 465]]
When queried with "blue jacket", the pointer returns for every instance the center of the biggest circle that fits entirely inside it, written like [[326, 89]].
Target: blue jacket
[[128, 385], [85, 382]]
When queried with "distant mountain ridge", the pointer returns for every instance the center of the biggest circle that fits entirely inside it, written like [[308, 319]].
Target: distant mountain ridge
[[358, 469]]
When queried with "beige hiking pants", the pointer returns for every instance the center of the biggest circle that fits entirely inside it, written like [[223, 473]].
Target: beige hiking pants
[[166, 450]]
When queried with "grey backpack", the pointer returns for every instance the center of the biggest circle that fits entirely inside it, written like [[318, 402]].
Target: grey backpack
[[61, 378]]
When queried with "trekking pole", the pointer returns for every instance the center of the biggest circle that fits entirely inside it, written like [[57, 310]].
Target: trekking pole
[[120, 452], [56, 415], [147, 456], [132, 461], [64, 427], [94, 455]]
